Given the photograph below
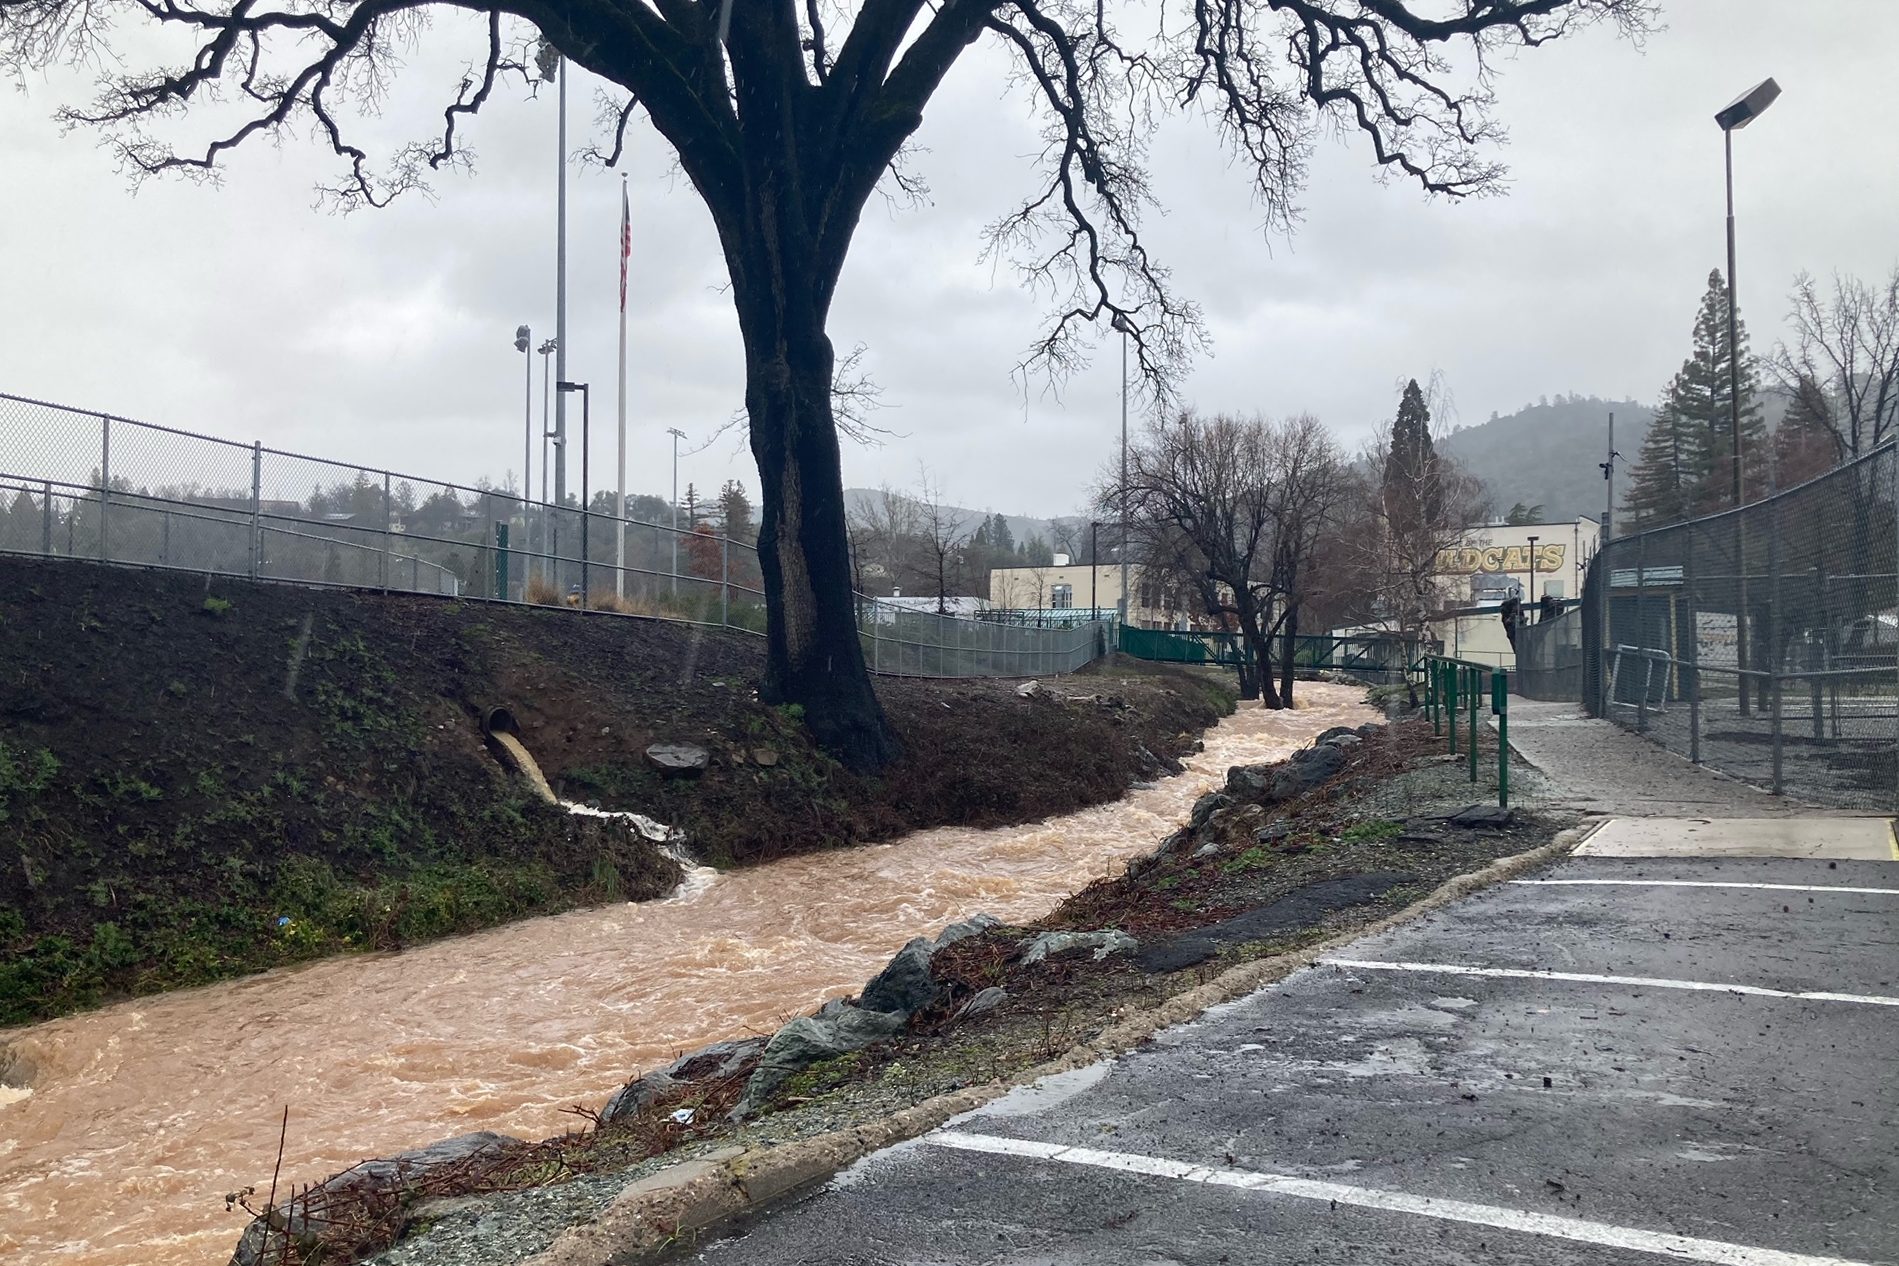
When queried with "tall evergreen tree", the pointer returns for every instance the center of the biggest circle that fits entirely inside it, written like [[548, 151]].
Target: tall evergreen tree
[[1412, 488], [1684, 467]]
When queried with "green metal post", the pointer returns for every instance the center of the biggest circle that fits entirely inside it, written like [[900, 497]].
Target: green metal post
[[1500, 704], [1430, 694], [1450, 703], [1473, 691]]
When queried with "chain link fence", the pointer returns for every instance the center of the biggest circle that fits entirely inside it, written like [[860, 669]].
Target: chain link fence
[[1550, 656], [1763, 642], [81, 485]]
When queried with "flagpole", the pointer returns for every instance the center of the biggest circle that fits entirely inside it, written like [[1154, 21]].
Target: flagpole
[[619, 501]]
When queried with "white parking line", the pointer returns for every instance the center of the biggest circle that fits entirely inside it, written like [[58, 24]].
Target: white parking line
[[1586, 978], [1698, 883], [1679, 1247]]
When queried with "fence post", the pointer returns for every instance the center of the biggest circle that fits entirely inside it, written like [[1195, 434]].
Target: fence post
[[1892, 456], [1694, 647], [1474, 691], [257, 505], [415, 574], [1430, 696], [1641, 627], [388, 523], [1773, 656], [725, 581], [1450, 702], [105, 480], [1818, 662], [1500, 704], [164, 541], [46, 518]]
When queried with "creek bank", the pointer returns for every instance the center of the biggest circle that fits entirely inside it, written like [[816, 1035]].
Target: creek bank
[[1362, 843], [203, 777]]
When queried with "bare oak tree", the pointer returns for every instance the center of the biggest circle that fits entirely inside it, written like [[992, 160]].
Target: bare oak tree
[[942, 531], [1841, 371], [788, 119], [1234, 507]]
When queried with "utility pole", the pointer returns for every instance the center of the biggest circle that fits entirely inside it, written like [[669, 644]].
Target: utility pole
[[560, 301], [1126, 604], [1532, 602], [1602, 552], [524, 343], [677, 435]]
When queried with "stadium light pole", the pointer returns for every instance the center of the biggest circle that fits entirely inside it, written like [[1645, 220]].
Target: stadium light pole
[[524, 344], [1736, 115], [1532, 603], [586, 419], [1121, 324], [677, 435]]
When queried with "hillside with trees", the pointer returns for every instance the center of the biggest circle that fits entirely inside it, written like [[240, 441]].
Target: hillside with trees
[[1550, 453]]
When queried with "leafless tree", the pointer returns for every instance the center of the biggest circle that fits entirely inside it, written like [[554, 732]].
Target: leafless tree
[[1841, 371], [1234, 507], [942, 533], [888, 529], [789, 117], [1310, 484]]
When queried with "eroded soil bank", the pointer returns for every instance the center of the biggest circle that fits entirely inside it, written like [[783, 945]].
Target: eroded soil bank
[[201, 778]]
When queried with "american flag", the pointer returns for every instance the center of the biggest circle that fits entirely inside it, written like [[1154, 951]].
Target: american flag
[[626, 240]]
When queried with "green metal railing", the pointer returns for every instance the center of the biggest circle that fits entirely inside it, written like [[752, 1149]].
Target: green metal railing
[[1453, 692]]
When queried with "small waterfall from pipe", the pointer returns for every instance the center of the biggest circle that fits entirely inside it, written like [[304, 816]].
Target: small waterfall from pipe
[[670, 839]]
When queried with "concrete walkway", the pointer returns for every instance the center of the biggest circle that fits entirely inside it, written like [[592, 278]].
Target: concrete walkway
[[1613, 1063], [1598, 767]]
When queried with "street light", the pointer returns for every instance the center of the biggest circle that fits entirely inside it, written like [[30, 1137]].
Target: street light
[[586, 410], [1121, 324], [546, 349], [677, 435], [1740, 112], [1532, 603], [523, 340]]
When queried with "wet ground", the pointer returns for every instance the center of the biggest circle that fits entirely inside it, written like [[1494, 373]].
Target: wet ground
[[1688, 1059]]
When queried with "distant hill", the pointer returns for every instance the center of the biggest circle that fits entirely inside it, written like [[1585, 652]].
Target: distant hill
[[1550, 453], [1021, 527]]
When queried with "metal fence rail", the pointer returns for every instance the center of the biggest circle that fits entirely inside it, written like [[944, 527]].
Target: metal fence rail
[[86, 485], [1763, 642]]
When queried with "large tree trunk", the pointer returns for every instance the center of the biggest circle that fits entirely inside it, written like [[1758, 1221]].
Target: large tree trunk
[[813, 655], [1287, 652], [1259, 649]]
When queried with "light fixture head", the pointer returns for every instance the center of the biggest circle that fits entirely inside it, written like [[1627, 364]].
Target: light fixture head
[[521, 336], [1747, 107]]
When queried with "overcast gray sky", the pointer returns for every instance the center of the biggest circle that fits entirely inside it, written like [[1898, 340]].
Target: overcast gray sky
[[386, 336]]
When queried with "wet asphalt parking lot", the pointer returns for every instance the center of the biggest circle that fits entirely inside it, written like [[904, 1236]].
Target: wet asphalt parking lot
[[1613, 1061]]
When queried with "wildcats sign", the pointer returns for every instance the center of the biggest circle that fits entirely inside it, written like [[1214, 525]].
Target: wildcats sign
[[1468, 560]]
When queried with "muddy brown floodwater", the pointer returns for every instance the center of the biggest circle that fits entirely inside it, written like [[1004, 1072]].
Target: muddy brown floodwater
[[139, 1117]]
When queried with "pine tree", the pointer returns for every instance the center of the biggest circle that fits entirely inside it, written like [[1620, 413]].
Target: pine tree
[[1684, 467], [735, 511], [1412, 491], [1666, 482]]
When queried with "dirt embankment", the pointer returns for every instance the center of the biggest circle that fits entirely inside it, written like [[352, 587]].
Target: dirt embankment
[[201, 778]]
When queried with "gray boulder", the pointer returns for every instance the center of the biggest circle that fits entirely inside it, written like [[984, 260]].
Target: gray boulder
[[1249, 781], [1205, 807], [709, 1063], [904, 985], [405, 1172], [811, 1040], [1049, 944], [1206, 850], [1272, 832], [1306, 770], [983, 1003], [975, 925], [1333, 733], [1344, 742], [679, 760], [1482, 817]]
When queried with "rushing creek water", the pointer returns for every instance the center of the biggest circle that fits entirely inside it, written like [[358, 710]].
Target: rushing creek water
[[139, 1117]]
